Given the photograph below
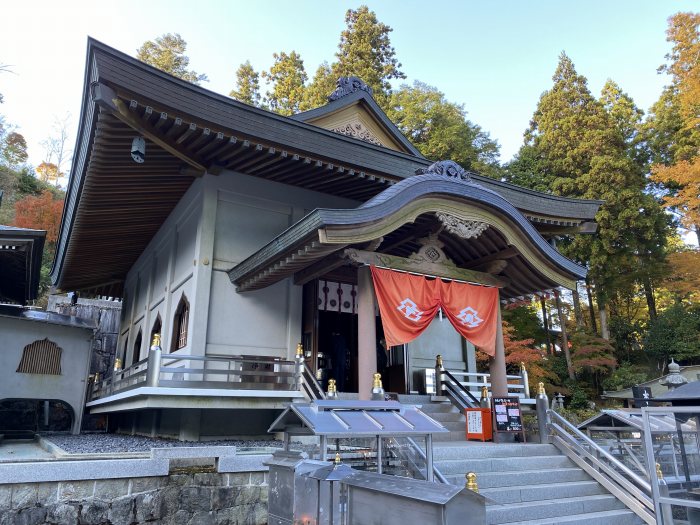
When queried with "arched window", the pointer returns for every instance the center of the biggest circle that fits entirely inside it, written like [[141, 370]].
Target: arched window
[[180, 322], [156, 329], [137, 349], [41, 357], [125, 351]]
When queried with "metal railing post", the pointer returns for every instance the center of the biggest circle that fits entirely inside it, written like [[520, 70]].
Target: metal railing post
[[299, 367], [430, 475], [542, 405], [153, 365], [525, 380], [439, 377]]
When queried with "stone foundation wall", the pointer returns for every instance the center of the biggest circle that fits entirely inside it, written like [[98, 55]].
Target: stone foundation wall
[[192, 496]]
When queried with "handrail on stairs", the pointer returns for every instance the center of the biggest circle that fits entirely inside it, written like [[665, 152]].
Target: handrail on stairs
[[625, 484]]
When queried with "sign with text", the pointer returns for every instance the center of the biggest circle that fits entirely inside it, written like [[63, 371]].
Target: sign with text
[[507, 415], [479, 423]]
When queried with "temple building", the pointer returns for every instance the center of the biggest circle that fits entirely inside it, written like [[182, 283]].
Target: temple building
[[234, 234]]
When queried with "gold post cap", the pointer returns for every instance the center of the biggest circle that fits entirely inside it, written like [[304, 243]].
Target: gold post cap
[[300, 350], [331, 385], [471, 482], [377, 381], [659, 474], [540, 389], [337, 458], [156, 340], [438, 361], [118, 363], [484, 392], [522, 365]]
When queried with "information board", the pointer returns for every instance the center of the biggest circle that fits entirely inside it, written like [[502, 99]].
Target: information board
[[474, 422], [507, 415]]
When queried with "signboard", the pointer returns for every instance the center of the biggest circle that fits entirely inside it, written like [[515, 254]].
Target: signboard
[[642, 396], [479, 423], [507, 415]]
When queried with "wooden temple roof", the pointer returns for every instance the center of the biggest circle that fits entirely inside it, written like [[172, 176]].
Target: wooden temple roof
[[114, 206], [21, 251]]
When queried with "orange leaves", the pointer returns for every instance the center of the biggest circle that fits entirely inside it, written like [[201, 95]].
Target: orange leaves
[[685, 175], [684, 278], [40, 213]]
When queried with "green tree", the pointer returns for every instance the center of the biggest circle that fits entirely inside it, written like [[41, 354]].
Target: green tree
[[288, 78], [675, 333], [167, 53], [321, 86], [627, 118], [526, 170], [440, 129], [14, 149], [365, 51], [247, 85]]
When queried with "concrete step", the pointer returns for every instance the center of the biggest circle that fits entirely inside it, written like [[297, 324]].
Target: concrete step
[[429, 408], [545, 491], [455, 425], [476, 450], [522, 478], [460, 466], [453, 435], [606, 517], [448, 416], [553, 508]]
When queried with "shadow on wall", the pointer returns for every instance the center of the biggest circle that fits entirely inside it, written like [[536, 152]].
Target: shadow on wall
[[35, 415]]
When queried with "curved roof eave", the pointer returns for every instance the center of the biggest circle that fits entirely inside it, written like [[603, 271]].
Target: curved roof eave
[[390, 202]]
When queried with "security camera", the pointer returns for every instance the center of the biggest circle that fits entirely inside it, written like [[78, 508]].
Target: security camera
[[138, 150]]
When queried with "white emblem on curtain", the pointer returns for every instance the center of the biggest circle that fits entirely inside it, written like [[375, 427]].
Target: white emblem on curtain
[[470, 317], [410, 310]]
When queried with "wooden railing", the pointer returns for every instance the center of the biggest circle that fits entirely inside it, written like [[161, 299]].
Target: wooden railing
[[203, 372]]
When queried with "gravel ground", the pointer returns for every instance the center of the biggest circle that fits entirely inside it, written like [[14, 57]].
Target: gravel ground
[[107, 443]]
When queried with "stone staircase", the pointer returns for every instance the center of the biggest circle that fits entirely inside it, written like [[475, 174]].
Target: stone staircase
[[526, 484]]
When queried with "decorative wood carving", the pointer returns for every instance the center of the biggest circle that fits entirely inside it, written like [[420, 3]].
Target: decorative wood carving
[[448, 168], [348, 85], [358, 131], [423, 267], [431, 251], [462, 228]]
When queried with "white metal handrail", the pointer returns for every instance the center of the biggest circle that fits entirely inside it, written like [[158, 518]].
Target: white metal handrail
[[630, 488]]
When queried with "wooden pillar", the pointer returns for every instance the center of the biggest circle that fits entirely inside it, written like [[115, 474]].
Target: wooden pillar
[[497, 363], [366, 333]]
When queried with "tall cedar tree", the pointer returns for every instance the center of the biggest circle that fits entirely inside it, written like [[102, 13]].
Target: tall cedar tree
[[167, 53], [247, 85], [440, 129], [288, 78], [682, 177], [365, 51], [321, 86], [581, 150]]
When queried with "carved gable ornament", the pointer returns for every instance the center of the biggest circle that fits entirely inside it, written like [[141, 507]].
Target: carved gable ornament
[[447, 168], [347, 86], [431, 251], [357, 129], [462, 228]]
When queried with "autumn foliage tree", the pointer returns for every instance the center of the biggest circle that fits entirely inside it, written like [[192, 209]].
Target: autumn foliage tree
[[41, 212]]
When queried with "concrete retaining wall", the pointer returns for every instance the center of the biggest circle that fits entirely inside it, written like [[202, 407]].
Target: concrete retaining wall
[[181, 485]]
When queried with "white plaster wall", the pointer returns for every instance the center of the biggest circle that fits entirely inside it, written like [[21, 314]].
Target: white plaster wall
[[219, 222], [76, 344]]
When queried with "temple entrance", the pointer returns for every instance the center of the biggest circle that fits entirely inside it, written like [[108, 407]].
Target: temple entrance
[[330, 323]]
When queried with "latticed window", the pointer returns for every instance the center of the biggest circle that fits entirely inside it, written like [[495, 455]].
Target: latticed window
[[182, 319], [41, 357]]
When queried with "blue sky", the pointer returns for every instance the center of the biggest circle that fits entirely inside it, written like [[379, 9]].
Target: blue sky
[[495, 57]]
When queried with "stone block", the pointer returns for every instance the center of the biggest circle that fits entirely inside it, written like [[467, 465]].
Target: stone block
[[257, 478], [5, 496], [145, 484], [180, 480], [75, 490], [208, 479], [239, 479], [121, 511], [202, 518], [195, 499], [94, 512], [248, 495], [30, 516], [47, 493], [109, 489], [147, 506], [62, 513], [24, 495], [224, 497], [169, 501], [181, 517]]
